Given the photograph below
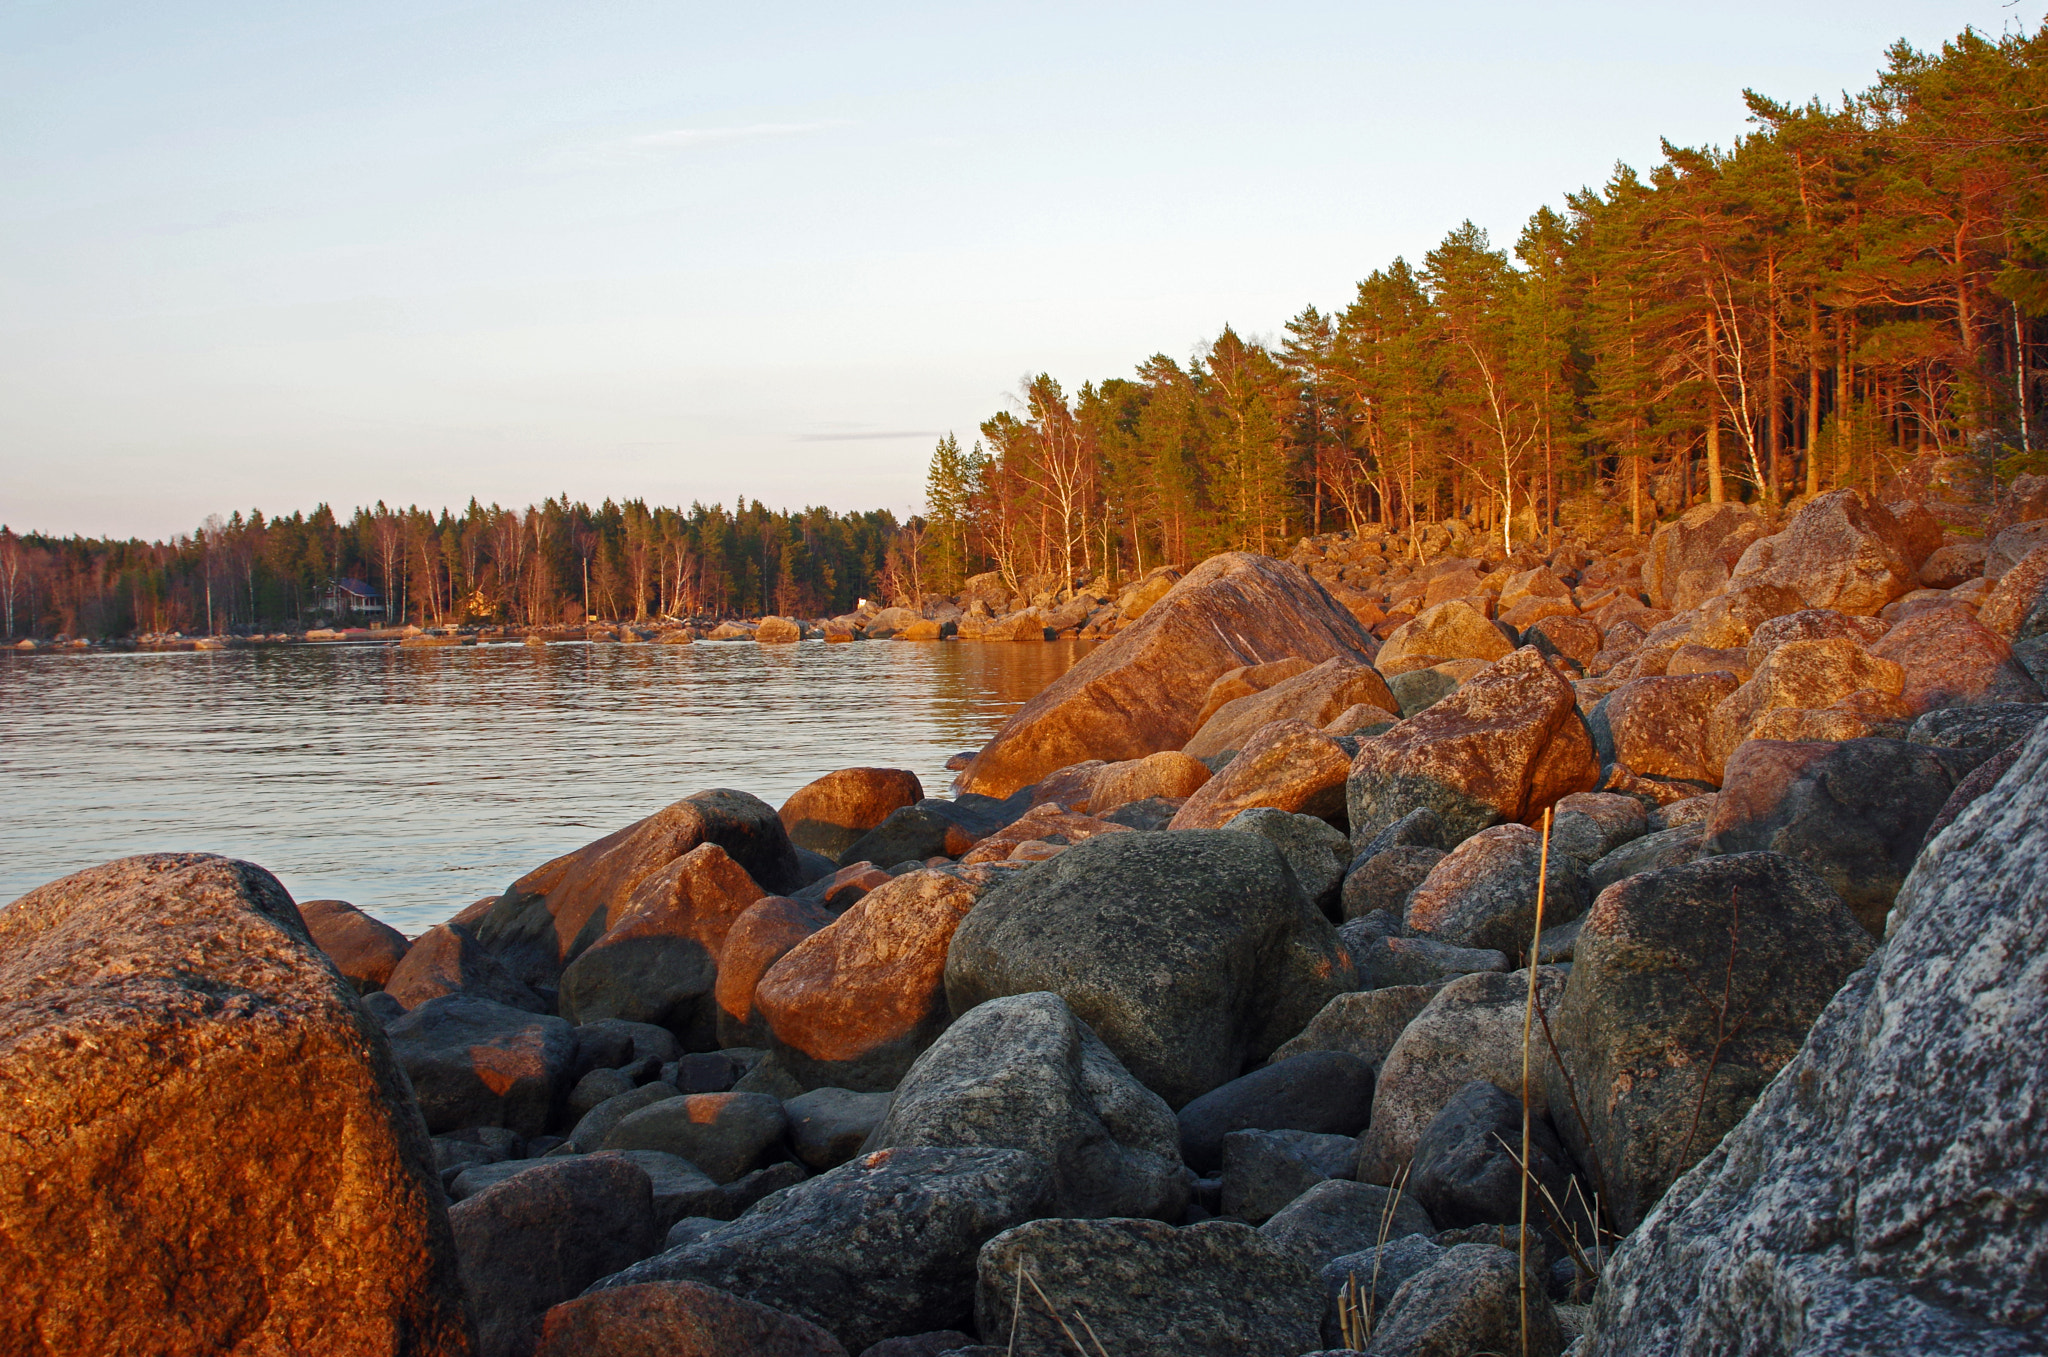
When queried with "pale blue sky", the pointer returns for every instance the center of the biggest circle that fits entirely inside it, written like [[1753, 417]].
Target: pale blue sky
[[272, 254]]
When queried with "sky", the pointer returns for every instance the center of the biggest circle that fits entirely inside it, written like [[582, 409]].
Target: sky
[[270, 255]]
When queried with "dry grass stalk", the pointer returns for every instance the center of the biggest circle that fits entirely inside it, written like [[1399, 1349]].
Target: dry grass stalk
[[1024, 1275], [1355, 1310], [1528, 1027]]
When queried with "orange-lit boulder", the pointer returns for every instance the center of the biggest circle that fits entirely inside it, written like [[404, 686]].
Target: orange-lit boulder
[[1950, 659], [1453, 630], [448, 959], [759, 938], [827, 815], [362, 948], [1245, 680], [1047, 823], [1842, 551], [1810, 674], [1316, 696], [1657, 726], [677, 1319], [1288, 765], [1690, 560], [1169, 773]]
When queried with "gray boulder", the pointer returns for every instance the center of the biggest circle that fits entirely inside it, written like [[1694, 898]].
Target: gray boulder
[[1665, 848], [724, 1134], [1190, 953], [1313, 848], [1384, 880], [1369, 1279], [879, 1247], [1590, 825], [1328, 1092], [827, 1126], [1418, 828], [1469, 1301], [594, 1125], [474, 1062], [1885, 1189], [1385, 957], [1681, 1007], [448, 959], [1364, 1024], [1484, 893], [1465, 1171], [1338, 1217], [1024, 1073], [1982, 731], [1141, 1286], [1265, 1170]]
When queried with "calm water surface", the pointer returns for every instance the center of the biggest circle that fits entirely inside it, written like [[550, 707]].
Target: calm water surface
[[413, 781]]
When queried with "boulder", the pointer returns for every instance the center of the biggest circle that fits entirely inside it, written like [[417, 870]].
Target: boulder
[[1590, 825], [853, 1004], [1384, 880], [1465, 1170], [1483, 894], [778, 631], [1571, 638], [1190, 953], [1288, 765], [1881, 1188], [1264, 1171], [363, 949], [724, 1134], [1169, 773], [1327, 1092], [1365, 1024], [448, 959], [1797, 674], [176, 1060], [1022, 1072], [758, 938], [1385, 957], [829, 814], [1690, 559], [828, 1126], [1978, 732], [658, 962], [2015, 608], [1855, 812], [677, 1319], [1665, 848], [1843, 551], [539, 924], [1471, 1030], [1504, 746], [594, 1126], [1812, 624], [1950, 659], [1215, 1288], [1140, 692], [1070, 786], [935, 828], [542, 1235], [473, 1062], [1046, 823], [1316, 696], [1657, 726], [1338, 1217], [1371, 1277], [1453, 630], [1729, 621], [1315, 851], [2012, 546], [1956, 563], [1680, 1009], [1245, 680], [879, 1247], [1469, 1301]]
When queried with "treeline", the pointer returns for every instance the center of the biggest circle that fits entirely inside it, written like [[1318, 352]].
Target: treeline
[[534, 566], [1845, 294]]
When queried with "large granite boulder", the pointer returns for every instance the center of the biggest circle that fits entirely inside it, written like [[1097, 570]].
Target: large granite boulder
[[1467, 1302], [1855, 811], [178, 1063], [448, 959], [542, 1235], [1217, 1289], [1680, 1008], [1656, 726], [1141, 691], [1245, 680], [1451, 630], [1191, 953], [1885, 1190], [1169, 773], [1317, 696], [1023, 1072], [473, 1062], [1365, 1023], [1504, 746], [1950, 659], [1338, 1216], [1483, 894], [879, 1247], [1326, 1092], [1690, 559], [828, 815], [1288, 765], [724, 1134], [677, 1319], [2017, 607], [761, 936], [1466, 1169], [852, 1005], [549, 915], [1844, 551], [1812, 624], [658, 962], [362, 948], [1795, 675]]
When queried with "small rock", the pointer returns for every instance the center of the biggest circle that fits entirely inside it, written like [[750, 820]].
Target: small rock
[[827, 1126], [1338, 1217], [365, 950], [1328, 1092], [1265, 1170], [677, 1319], [724, 1134]]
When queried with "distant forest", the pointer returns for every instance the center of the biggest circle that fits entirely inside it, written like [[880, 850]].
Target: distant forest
[[1846, 295]]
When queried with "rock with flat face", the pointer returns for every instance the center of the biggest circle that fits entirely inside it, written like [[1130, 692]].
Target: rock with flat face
[[1730, 620], [1856, 812], [1665, 848], [363, 949], [1316, 696], [547, 916], [2011, 547], [724, 1134], [854, 1003], [1384, 957], [761, 936], [1950, 659], [1045, 823], [1288, 765], [1812, 624], [828, 815], [775, 631], [1338, 1217], [677, 1319], [1141, 1286], [1657, 726], [1264, 1171], [658, 962], [879, 1247], [1141, 691], [1471, 1029], [176, 1060], [542, 1235], [1504, 746], [1169, 773], [448, 959], [1797, 674], [1680, 1009], [1572, 638], [1468, 1301], [1590, 825], [1384, 880], [1024, 1073], [1245, 680], [2017, 608], [1878, 1185], [1327, 1092], [1453, 630], [1365, 1024], [1192, 954], [1484, 893], [1689, 560], [1843, 551], [1315, 851], [828, 1126]]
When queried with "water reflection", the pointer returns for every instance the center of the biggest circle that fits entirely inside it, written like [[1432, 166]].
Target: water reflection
[[413, 781]]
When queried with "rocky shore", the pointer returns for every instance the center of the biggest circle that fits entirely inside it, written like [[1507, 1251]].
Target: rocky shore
[[1629, 949]]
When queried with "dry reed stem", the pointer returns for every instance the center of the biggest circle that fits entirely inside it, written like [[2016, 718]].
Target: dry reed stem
[[1057, 1318], [1528, 1026]]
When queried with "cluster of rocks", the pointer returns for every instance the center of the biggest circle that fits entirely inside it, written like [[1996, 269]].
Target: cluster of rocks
[[1640, 954]]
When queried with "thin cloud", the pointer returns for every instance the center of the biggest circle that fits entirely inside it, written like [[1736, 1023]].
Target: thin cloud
[[685, 138], [865, 437]]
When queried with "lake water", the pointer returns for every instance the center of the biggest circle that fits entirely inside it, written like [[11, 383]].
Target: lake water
[[413, 781]]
